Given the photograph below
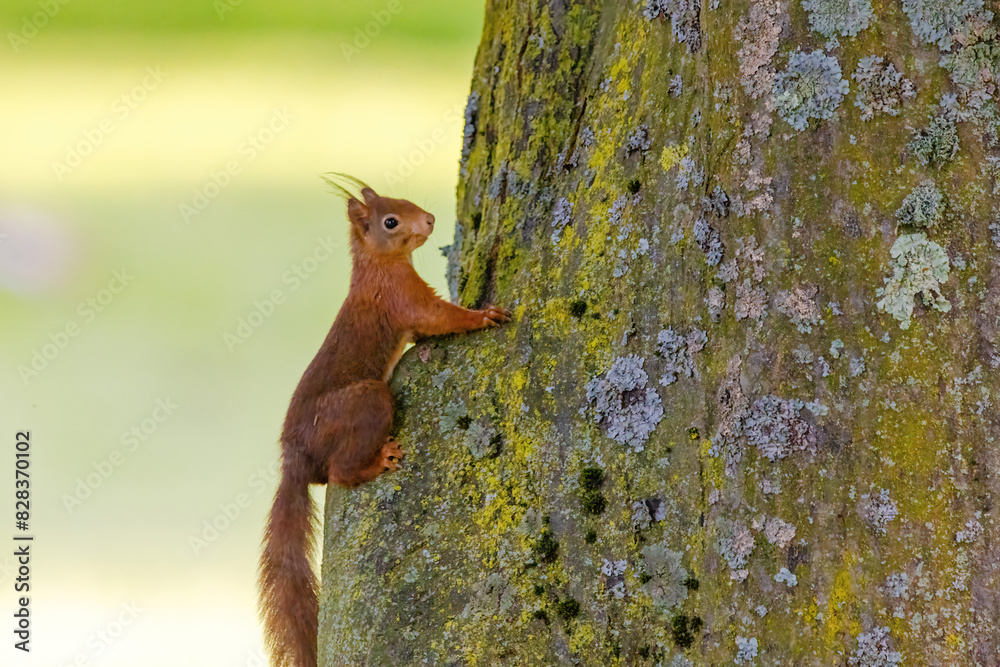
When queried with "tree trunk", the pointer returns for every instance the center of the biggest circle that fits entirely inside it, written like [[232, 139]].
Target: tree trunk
[[746, 409]]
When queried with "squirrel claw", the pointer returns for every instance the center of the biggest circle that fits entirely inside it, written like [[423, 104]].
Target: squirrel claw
[[392, 455], [494, 316]]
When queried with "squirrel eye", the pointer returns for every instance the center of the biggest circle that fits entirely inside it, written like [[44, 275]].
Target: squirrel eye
[[390, 222]]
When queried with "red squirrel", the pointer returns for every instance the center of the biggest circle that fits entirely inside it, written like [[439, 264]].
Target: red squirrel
[[337, 427]]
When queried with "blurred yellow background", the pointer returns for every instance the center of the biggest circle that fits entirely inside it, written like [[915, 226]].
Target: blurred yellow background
[[169, 263]]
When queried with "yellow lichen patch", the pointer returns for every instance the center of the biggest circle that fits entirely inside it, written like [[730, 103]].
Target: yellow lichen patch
[[714, 470], [621, 69], [519, 312], [570, 241], [519, 379], [672, 154], [810, 613], [523, 446], [603, 155], [597, 239], [584, 637], [839, 606], [500, 515]]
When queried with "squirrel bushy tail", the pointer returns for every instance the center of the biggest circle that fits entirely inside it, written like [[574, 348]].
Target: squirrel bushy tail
[[288, 599]]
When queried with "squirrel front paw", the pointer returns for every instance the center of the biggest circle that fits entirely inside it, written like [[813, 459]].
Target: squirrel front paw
[[494, 316]]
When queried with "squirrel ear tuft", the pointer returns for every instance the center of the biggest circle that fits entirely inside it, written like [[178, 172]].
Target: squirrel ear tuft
[[369, 195], [358, 214]]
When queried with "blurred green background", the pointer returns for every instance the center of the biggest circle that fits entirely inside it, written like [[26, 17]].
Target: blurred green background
[[151, 348]]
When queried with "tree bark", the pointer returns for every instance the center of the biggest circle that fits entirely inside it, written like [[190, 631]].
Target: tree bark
[[746, 411]]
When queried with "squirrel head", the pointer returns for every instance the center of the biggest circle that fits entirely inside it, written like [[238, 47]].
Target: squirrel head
[[382, 226], [388, 227]]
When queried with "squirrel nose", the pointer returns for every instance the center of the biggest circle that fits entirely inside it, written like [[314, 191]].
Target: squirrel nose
[[430, 219]]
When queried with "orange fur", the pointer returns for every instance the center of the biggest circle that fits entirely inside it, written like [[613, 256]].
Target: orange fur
[[337, 427]]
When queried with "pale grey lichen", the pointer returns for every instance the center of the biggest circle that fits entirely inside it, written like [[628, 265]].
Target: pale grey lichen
[[684, 15], [811, 87], [757, 34], [532, 523], [923, 207], [786, 577], [584, 141], [735, 543], [491, 596], [843, 17], [733, 409], [769, 486], [878, 509], [897, 586], [817, 408], [856, 367], [666, 576], [471, 121], [438, 380], [775, 428], [451, 253], [716, 302], [638, 140], [614, 577], [624, 406], [803, 354], [676, 86], [728, 272], [709, 241], [937, 144], [973, 529], [617, 220], [778, 532], [873, 650], [645, 512], [615, 214], [951, 108], [942, 21], [688, 173], [746, 650], [678, 352], [751, 301], [919, 267], [751, 255], [561, 216], [481, 440], [507, 180], [716, 203], [800, 306], [975, 67], [449, 416], [881, 88], [835, 348]]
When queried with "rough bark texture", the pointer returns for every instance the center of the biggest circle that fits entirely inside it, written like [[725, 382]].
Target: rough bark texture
[[713, 433]]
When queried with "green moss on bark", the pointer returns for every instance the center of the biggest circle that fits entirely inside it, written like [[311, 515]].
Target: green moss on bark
[[413, 562]]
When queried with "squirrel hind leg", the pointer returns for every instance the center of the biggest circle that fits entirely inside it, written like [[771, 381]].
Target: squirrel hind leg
[[391, 455], [388, 460], [360, 418]]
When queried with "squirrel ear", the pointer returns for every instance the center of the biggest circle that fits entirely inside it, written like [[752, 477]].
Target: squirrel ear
[[369, 195], [358, 214]]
